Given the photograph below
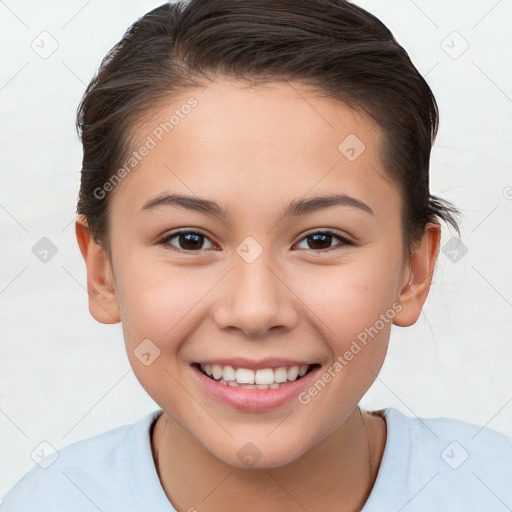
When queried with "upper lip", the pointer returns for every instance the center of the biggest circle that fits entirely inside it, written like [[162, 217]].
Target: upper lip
[[256, 365]]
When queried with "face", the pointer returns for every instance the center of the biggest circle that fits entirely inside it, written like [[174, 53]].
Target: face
[[267, 283]]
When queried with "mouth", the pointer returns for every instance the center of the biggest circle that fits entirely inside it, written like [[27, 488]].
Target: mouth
[[260, 379]]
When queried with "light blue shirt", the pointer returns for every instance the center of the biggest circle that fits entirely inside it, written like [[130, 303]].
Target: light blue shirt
[[429, 465]]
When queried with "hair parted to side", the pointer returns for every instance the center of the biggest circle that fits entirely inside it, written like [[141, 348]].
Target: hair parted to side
[[337, 47]]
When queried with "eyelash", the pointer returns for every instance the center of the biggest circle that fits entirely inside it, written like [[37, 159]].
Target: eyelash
[[344, 241]]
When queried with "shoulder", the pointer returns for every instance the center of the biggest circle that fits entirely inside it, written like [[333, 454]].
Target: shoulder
[[446, 463], [458, 443], [86, 475]]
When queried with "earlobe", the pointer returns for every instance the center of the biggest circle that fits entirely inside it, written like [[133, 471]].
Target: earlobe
[[419, 272], [103, 304]]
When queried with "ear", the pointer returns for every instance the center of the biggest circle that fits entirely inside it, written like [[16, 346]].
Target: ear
[[418, 276], [103, 304]]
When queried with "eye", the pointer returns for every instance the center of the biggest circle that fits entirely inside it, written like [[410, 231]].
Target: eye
[[188, 241], [324, 240], [192, 241]]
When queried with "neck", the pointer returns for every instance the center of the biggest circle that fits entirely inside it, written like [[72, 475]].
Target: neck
[[335, 475]]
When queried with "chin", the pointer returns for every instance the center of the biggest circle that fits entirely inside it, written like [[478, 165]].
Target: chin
[[254, 455]]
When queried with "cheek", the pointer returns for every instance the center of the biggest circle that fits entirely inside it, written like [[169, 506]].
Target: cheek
[[353, 306], [162, 302], [350, 298], [159, 307]]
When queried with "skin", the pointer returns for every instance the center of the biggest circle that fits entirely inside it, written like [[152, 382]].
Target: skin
[[254, 150]]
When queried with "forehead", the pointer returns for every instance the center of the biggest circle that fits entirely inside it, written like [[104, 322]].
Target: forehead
[[237, 143]]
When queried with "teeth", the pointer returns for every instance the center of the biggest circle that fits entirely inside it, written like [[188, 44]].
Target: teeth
[[303, 369], [244, 376], [234, 384], [216, 371], [228, 373], [293, 373], [280, 375], [265, 378]]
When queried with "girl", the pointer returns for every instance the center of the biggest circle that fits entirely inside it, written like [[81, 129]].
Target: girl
[[255, 209]]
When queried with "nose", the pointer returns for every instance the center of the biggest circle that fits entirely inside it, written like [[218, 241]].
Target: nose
[[254, 298]]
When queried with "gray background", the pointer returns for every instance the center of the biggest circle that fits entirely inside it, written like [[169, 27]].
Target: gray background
[[64, 377]]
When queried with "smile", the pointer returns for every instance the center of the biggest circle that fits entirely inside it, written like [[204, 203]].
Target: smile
[[263, 378]]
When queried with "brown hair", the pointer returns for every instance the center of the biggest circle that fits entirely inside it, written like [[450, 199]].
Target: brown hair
[[339, 48]]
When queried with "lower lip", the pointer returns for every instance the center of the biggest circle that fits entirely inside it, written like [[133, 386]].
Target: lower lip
[[254, 399]]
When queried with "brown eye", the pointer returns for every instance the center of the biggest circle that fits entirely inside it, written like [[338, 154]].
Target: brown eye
[[186, 240], [322, 240]]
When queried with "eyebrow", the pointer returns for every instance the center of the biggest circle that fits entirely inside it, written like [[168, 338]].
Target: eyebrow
[[297, 207]]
